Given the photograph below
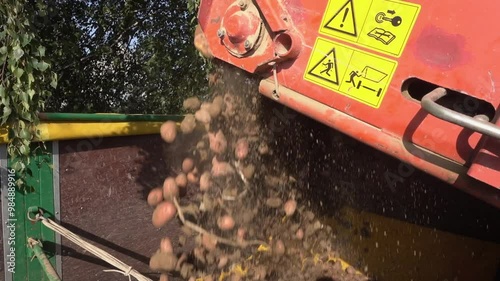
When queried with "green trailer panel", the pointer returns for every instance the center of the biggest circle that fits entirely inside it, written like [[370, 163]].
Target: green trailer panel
[[17, 228]]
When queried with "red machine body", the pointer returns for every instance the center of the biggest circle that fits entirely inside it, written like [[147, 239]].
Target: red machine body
[[415, 79]]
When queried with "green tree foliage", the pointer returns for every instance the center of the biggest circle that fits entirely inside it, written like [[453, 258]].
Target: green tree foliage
[[25, 76], [125, 56]]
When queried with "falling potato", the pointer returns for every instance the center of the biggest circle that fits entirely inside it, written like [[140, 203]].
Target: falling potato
[[155, 196], [203, 116], [218, 142], [226, 222], [163, 213], [187, 165], [168, 131], [192, 103], [163, 261], [170, 188], [188, 124]]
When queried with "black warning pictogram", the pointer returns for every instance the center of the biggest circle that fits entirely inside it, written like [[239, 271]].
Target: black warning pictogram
[[369, 79], [343, 20], [326, 68]]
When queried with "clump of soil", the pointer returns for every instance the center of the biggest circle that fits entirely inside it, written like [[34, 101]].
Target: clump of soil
[[240, 204]]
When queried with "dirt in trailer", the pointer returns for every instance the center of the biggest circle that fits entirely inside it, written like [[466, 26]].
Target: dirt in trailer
[[266, 194]]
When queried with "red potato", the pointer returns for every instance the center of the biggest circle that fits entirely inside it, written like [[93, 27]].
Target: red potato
[[226, 222], [290, 207], [214, 109], [205, 181], [218, 100], [170, 188], [279, 248], [163, 213], [218, 142], [192, 103], [168, 131], [188, 124], [155, 196], [203, 116], [181, 180], [187, 165], [192, 177], [163, 261], [166, 245], [241, 149], [201, 43], [205, 105], [221, 168]]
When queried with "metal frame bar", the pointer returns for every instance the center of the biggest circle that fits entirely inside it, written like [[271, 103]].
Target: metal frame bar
[[57, 203], [477, 124]]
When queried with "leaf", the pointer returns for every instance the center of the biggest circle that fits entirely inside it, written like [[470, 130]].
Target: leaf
[[6, 101], [24, 150], [41, 51], [24, 96], [17, 52], [6, 112], [2, 92], [25, 134], [26, 39], [42, 66], [31, 79], [25, 105], [3, 50], [18, 72], [18, 166], [26, 116], [31, 93], [53, 82], [22, 125]]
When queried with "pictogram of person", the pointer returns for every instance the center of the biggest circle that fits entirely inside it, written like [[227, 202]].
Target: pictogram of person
[[329, 66]]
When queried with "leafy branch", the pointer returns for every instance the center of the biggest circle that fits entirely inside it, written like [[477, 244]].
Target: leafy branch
[[25, 80]]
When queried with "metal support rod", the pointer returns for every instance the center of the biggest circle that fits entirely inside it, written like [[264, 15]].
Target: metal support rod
[[44, 261]]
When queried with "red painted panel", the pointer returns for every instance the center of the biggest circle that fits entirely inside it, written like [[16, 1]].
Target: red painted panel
[[453, 45]]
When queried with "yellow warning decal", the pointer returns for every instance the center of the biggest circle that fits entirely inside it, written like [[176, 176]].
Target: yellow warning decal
[[381, 25], [357, 74]]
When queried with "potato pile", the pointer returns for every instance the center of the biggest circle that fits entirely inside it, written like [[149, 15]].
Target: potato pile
[[237, 203]]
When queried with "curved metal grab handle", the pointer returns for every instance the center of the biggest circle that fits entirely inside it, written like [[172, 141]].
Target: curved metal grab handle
[[429, 104]]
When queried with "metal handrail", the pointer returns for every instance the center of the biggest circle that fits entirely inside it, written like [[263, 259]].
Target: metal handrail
[[477, 123]]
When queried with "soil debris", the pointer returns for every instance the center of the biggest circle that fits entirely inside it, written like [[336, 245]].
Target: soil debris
[[242, 208]]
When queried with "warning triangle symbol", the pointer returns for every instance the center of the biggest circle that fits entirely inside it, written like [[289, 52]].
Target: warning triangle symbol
[[326, 68], [343, 20]]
